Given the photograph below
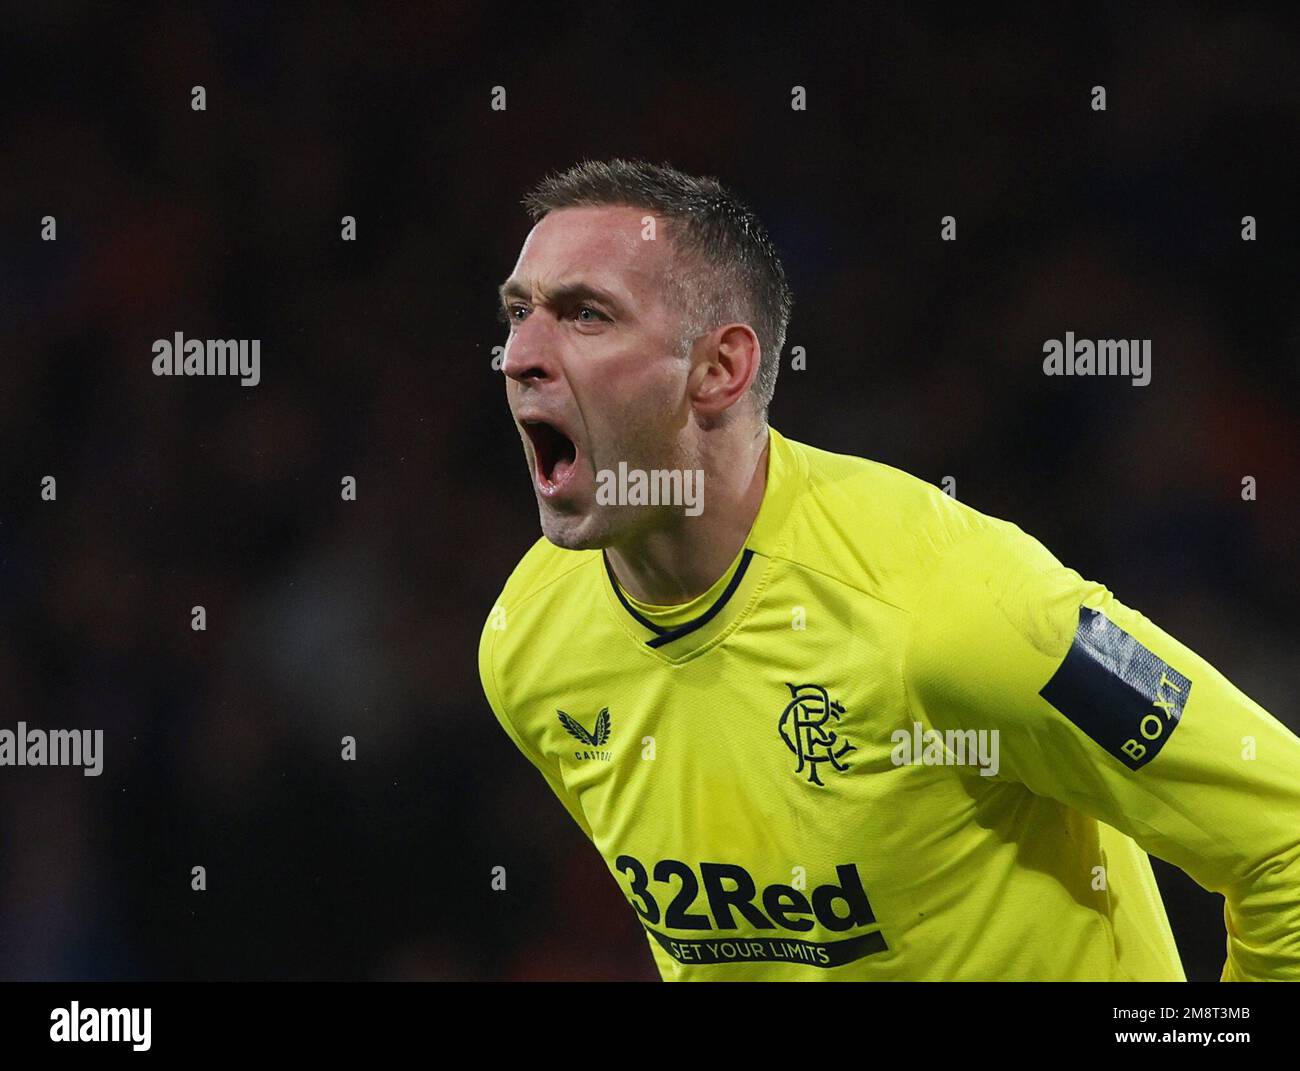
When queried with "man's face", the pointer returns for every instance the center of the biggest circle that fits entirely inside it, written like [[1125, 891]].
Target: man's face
[[595, 372]]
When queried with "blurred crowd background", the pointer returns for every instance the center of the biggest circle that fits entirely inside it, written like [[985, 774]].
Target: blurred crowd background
[[326, 618]]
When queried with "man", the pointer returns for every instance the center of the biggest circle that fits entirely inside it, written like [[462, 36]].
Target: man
[[821, 720]]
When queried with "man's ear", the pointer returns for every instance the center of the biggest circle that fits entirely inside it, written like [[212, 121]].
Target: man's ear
[[724, 364]]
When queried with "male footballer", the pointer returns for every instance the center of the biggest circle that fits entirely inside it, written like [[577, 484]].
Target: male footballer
[[821, 720]]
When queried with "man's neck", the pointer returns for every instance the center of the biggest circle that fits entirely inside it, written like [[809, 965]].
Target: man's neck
[[673, 565]]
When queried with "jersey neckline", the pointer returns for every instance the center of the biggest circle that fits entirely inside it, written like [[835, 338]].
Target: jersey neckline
[[786, 472]]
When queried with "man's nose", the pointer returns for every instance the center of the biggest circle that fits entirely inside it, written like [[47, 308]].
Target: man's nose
[[530, 349]]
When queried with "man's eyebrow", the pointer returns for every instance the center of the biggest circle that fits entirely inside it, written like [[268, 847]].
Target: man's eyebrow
[[560, 295]]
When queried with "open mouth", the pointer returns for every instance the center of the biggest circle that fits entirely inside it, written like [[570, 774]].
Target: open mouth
[[555, 453]]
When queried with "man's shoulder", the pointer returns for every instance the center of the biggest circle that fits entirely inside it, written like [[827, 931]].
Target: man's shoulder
[[543, 566], [538, 601], [880, 528]]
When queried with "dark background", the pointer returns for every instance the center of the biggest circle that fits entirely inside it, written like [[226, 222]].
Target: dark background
[[328, 618]]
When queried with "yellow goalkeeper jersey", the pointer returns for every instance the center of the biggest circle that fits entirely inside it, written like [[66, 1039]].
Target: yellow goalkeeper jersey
[[897, 740]]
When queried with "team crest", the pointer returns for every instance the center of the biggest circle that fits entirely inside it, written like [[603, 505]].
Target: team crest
[[803, 727], [594, 740]]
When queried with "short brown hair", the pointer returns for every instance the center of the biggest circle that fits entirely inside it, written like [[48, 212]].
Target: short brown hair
[[729, 270]]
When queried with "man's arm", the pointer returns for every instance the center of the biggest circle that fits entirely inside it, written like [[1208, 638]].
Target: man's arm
[[1102, 710]]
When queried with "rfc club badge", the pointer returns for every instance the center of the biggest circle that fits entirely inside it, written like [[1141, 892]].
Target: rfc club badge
[[804, 728]]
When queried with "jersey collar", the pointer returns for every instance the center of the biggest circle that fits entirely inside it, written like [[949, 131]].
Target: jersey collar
[[767, 540]]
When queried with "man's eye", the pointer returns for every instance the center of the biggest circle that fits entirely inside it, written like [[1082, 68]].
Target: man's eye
[[508, 314]]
